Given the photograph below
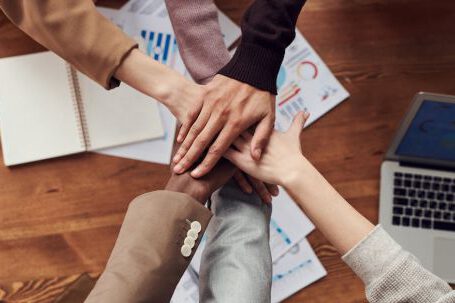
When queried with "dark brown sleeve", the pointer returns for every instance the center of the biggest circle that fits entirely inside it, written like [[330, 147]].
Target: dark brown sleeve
[[268, 27], [75, 31], [146, 263]]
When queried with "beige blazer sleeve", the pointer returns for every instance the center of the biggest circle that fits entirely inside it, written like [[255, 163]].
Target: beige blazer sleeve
[[146, 263], [75, 31]]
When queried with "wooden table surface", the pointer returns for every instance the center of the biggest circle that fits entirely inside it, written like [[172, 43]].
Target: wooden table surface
[[60, 218]]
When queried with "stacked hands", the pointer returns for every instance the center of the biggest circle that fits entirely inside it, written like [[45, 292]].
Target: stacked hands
[[214, 118], [259, 155]]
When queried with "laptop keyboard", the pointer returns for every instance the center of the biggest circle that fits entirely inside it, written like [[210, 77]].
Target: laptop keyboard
[[422, 201]]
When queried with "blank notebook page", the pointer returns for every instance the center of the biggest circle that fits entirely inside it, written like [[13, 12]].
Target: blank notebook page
[[38, 119], [119, 116]]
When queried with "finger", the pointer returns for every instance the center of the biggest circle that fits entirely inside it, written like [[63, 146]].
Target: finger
[[234, 156], [193, 132], [216, 151], [298, 123], [247, 136], [240, 144], [261, 137], [190, 117], [243, 182], [273, 189], [261, 190], [199, 145]]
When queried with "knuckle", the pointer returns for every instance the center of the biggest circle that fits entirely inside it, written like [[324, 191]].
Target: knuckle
[[183, 148], [236, 124], [191, 115], [201, 142], [184, 161], [225, 112], [215, 150], [195, 129]]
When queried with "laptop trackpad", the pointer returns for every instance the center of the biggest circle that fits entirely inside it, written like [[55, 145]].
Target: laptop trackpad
[[443, 264]]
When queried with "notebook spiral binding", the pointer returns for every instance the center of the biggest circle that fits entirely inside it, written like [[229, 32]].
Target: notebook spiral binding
[[78, 105]]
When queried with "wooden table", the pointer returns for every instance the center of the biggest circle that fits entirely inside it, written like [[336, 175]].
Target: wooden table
[[60, 218]]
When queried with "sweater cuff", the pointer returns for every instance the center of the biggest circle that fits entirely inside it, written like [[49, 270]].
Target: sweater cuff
[[371, 257], [255, 65]]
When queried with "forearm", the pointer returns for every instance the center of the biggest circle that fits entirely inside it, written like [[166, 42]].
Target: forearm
[[75, 31], [268, 27], [148, 76], [341, 224], [199, 37], [392, 274], [146, 262]]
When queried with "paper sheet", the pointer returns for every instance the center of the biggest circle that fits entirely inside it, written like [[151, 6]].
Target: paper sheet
[[140, 19], [298, 268], [305, 82], [156, 8], [158, 150], [288, 226], [187, 290]]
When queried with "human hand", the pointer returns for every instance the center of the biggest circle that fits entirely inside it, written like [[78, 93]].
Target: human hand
[[185, 100], [249, 184], [180, 95], [229, 108], [201, 188], [282, 157]]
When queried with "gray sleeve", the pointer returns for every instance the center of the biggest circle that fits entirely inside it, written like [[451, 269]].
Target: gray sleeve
[[392, 274], [236, 264]]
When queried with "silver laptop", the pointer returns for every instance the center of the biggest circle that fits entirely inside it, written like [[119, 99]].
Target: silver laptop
[[417, 198]]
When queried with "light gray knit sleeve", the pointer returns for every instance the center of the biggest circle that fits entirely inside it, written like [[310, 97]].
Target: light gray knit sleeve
[[392, 274]]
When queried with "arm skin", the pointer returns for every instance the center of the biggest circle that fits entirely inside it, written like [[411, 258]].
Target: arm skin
[[340, 223], [390, 273], [75, 31], [146, 263], [203, 50], [242, 94]]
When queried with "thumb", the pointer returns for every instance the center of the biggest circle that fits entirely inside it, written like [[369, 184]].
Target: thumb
[[298, 123]]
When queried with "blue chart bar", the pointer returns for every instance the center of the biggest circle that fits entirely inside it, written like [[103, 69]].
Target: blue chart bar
[[280, 231], [157, 49], [280, 276], [160, 46], [166, 49]]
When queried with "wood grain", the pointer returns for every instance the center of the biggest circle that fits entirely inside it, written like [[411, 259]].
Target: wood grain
[[59, 218]]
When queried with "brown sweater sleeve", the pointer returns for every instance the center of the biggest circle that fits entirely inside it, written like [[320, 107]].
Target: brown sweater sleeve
[[75, 31]]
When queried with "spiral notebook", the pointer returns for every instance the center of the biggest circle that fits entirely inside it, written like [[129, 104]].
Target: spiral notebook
[[48, 109]]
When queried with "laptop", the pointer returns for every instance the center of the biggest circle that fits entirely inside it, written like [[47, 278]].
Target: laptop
[[417, 194]]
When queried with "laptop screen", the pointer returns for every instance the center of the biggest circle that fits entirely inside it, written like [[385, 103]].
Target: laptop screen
[[431, 133]]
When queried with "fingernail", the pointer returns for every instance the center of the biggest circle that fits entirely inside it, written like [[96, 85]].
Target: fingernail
[[178, 169], [196, 172], [306, 114], [257, 153], [179, 139], [249, 190]]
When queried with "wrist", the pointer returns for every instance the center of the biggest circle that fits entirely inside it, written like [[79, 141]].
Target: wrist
[[146, 75], [190, 189], [301, 169]]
